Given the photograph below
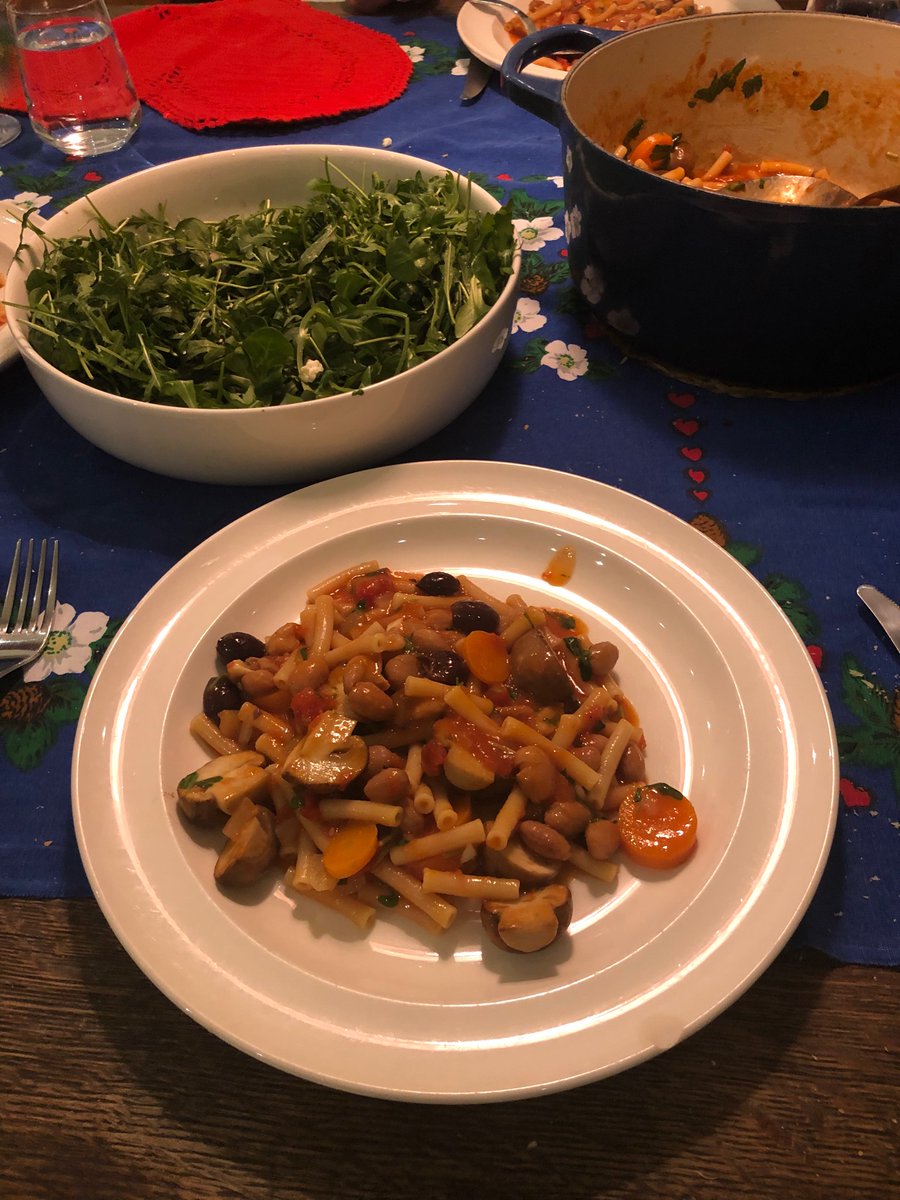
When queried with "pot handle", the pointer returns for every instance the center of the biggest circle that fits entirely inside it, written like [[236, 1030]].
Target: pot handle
[[536, 93]]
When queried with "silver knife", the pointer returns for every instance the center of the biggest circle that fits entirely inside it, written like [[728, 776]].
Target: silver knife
[[477, 78], [885, 611]]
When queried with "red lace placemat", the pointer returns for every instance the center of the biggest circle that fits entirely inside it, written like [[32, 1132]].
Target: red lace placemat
[[207, 65]]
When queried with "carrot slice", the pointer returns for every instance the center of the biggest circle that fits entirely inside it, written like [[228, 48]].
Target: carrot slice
[[657, 825], [352, 848], [644, 149], [485, 655]]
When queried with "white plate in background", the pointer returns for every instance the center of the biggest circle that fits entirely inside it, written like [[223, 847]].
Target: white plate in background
[[481, 28], [10, 228], [734, 715]]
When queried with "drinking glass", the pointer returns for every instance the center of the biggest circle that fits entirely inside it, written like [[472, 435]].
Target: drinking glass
[[10, 129], [79, 92]]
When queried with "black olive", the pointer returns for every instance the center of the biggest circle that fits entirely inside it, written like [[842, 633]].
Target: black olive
[[220, 693], [239, 645], [443, 666], [474, 614], [438, 583]]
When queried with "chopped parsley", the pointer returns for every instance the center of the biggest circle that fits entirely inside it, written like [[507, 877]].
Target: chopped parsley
[[576, 646], [632, 133], [191, 781], [720, 83], [820, 101], [389, 899], [752, 85]]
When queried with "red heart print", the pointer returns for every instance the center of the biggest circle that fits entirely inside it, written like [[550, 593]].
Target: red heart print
[[686, 425], [693, 453], [816, 653], [853, 796], [695, 475], [700, 494], [682, 399]]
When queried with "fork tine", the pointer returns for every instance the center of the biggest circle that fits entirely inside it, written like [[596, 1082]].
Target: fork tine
[[11, 587], [26, 581], [38, 588], [50, 604]]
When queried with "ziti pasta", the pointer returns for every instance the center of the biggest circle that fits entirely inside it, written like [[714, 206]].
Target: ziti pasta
[[412, 744]]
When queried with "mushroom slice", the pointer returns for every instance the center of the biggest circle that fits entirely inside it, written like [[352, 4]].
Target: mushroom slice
[[537, 668], [330, 756], [251, 850], [532, 922], [200, 792], [516, 861], [465, 771]]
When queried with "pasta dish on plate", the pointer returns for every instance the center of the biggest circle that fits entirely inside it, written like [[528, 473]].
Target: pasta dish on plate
[[416, 745]]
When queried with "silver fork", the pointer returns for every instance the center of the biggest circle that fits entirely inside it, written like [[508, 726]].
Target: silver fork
[[26, 618]]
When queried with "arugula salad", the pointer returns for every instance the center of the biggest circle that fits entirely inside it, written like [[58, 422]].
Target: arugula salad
[[275, 307]]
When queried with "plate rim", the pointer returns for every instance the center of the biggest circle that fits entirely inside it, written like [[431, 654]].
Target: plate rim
[[10, 215], [401, 477], [476, 45]]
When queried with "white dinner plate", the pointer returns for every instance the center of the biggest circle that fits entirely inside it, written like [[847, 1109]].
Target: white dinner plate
[[481, 28], [734, 716], [10, 228]]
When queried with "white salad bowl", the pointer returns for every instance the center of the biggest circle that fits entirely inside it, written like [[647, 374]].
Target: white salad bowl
[[292, 443]]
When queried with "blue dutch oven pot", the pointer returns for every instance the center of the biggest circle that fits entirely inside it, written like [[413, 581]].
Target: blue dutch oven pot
[[718, 288]]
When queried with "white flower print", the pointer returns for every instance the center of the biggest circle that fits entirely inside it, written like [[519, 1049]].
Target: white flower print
[[528, 316], [416, 53], [568, 361], [460, 67], [573, 223], [591, 284], [555, 179], [26, 200], [69, 649], [534, 234], [569, 159]]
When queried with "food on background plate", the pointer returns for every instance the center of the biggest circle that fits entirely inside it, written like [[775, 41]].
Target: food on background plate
[[275, 307], [413, 742], [620, 15]]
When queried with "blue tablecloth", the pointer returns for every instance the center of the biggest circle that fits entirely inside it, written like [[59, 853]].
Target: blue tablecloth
[[806, 495]]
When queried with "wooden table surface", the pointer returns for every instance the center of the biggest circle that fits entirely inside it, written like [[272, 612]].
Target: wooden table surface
[[109, 1092]]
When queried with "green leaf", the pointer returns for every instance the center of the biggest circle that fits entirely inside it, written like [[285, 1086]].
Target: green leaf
[[789, 595], [866, 698], [744, 552], [66, 700], [194, 781], [820, 101], [26, 745], [720, 83]]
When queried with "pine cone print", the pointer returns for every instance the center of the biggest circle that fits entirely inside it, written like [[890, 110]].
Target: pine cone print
[[534, 285], [24, 704], [713, 529]]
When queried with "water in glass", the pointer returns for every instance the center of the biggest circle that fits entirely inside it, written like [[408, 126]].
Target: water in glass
[[79, 92]]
